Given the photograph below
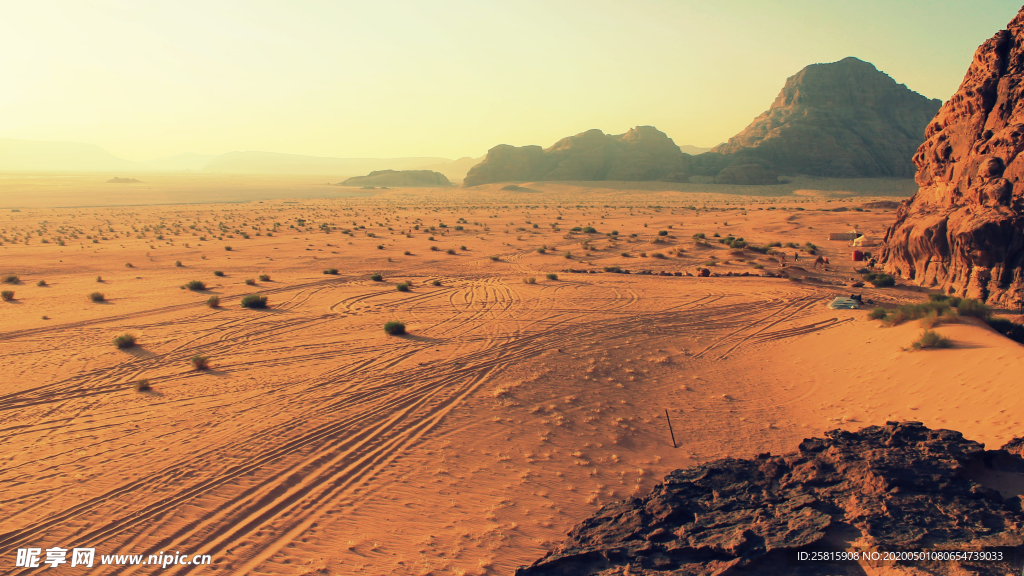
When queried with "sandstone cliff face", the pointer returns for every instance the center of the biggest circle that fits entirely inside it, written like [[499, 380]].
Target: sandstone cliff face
[[399, 178], [643, 153], [963, 231], [901, 486], [843, 119]]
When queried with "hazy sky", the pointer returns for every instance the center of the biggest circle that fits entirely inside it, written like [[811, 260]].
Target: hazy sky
[[447, 78]]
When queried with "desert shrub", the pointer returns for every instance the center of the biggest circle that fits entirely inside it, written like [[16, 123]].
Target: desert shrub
[[969, 307], [41, 283], [125, 341], [402, 287], [7, 295], [97, 297], [99, 278], [264, 277], [394, 327], [463, 248], [213, 301], [435, 283], [931, 339], [11, 279], [530, 280], [254, 301], [196, 285], [380, 246], [433, 248], [1007, 328], [711, 263], [228, 248], [699, 236], [128, 265], [218, 273], [662, 232], [376, 277], [552, 276], [879, 280], [143, 386], [590, 230], [495, 259], [250, 281], [331, 271], [612, 269], [451, 251], [407, 253], [877, 314], [930, 320], [177, 263], [658, 255], [200, 362], [542, 251]]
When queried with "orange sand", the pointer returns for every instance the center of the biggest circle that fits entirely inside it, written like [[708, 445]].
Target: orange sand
[[511, 411]]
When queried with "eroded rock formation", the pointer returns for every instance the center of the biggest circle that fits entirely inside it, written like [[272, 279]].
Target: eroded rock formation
[[899, 486], [842, 119], [643, 153], [399, 178], [963, 230]]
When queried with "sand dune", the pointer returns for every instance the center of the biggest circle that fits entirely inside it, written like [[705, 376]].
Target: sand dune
[[318, 444]]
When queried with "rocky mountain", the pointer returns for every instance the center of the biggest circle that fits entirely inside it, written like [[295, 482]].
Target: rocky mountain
[[32, 156], [963, 231], [900, 486], [843, 119], [398, 178], [276, 163], [643, 153]]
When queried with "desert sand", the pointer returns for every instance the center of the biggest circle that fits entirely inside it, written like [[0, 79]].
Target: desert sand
[[318, 444]]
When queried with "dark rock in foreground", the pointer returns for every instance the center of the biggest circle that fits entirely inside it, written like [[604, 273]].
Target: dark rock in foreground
[[399, 178], [963, 231], [900, 486]]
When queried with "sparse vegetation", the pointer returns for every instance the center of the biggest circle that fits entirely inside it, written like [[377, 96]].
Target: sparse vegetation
[[177, 263], [218, 273], [143, 386], [931, 339], [200, 362], [213, 302], [530, 280], [331, 271], [552, 276], [11, 279], [877, 314], [435, 283], [7, 295], [196, 285], [228, 248], [264, 277], [376, 277], [254, 301], [41, 283], [402, 287], [250, 281], [879, 279], [125, 341], [97, 297], [394, 327]]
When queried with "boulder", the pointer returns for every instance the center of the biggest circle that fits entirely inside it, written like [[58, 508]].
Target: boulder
[[963, 231], [900, 486]]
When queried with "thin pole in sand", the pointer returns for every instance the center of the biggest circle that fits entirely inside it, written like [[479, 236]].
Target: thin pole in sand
[[670, 429]]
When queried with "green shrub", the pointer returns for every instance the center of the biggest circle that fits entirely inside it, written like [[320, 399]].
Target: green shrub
[[196, 285], [402, 287], [407, 253], [699, 236], [97, 297], [7, 295], [931, 339], [451, 251], [880, 280], [976, 308], [41, 283], [530, 280], [376, 277], [99, 278], [177, 263], [877, 314], [662, 232], [143, 386], [552, 276], [218, 273], [435, 283], [125, 341], [590, 230], [200, 362], [250, 281], [380, 246], [394, 327], [433, 248], [11, 279], [213, 302], [331, 271], [495, 259], [264, 277], [228, 248], [254, 301]]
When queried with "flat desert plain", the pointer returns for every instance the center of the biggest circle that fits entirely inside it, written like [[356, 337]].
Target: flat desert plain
[[515, 406]]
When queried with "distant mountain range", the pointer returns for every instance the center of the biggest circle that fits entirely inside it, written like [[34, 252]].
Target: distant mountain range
[[36, 156]]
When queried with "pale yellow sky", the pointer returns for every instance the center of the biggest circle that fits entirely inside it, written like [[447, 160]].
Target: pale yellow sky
[[445, 78]]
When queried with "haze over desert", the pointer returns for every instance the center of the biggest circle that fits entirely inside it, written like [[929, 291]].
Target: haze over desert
[[534, 289]]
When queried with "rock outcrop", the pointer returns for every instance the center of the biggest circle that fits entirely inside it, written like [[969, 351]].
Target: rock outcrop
[[399, 178], [643, 153], [963, 231], [845, 119], [900, 486]]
